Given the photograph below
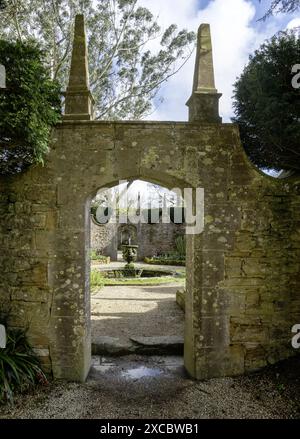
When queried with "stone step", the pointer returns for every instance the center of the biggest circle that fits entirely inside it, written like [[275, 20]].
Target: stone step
[[160, 345]]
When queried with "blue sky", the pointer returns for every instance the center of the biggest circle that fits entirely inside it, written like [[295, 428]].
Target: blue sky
[[236, 33], [261, 7]]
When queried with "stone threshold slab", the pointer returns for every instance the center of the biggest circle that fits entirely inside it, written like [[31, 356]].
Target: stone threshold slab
[[161, 345]]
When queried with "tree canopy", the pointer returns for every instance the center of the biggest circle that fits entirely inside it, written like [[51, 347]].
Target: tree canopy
[[267, 106], [282, 6], [29, 106], [130, 56]]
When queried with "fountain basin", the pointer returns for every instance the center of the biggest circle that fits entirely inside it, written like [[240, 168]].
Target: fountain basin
[[136, 273]]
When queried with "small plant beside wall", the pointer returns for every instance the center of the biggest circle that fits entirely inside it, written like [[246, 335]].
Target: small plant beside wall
[[180, 245], [97, 279], [19, 368], [177, 257], [97, 257]]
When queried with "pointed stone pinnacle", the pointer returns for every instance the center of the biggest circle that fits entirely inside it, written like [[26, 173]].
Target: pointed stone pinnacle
[[79, 101], [204, 80], [204, 102]]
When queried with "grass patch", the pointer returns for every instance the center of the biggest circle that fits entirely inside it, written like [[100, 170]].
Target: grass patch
[[97, 279]]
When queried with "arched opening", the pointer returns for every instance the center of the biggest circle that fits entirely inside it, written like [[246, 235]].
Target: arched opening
[[69, 273], [138, 310]]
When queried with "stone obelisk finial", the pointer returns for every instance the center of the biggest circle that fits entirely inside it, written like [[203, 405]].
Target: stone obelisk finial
[[204, 102], [79, 101]]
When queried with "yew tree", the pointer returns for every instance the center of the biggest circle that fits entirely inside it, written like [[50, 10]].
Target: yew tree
[[267, 104]]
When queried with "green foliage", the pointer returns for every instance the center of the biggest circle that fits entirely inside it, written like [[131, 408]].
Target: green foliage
[[93, 255], [144, 281], [123, 277], [28, 107], [96, 256], [176, 257], [267, 107], [282, 6], [19, 368], [165, 260], [180, 245], [97, 279], [125, 74], [281, 388]]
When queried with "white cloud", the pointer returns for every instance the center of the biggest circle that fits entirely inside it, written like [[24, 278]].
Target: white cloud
[[234, 35], [294, 23]]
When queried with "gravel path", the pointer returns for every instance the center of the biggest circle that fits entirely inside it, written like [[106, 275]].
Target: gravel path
[[156, 387], [134, 311]]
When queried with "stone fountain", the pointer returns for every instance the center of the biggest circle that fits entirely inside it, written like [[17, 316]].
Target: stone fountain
[[129, 252]]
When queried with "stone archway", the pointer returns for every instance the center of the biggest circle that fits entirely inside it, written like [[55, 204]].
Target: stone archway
[[158, 176], [242, 283]]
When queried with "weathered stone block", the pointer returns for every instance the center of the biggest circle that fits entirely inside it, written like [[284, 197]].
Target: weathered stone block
[[30, 294]]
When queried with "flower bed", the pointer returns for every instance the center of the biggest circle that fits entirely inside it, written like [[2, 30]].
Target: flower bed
[[165, 261]]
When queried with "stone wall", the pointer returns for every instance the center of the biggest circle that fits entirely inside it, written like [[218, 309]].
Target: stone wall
[[242, 271], [156, 239], [152, 239], [104, 239], [242, 292], [262, 272]]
